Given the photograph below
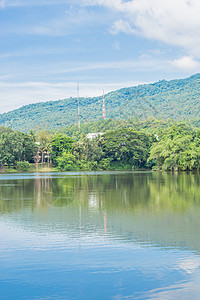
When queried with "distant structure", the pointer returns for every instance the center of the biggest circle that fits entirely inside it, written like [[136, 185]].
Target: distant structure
[[79, 123], [92, 136], [104, 110]]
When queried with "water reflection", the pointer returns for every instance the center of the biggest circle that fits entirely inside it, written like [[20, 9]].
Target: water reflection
[[120, 191], [161, 209], [121, 235]]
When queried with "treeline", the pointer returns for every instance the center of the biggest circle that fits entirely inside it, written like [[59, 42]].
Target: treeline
[[168, 147], [149, 125]]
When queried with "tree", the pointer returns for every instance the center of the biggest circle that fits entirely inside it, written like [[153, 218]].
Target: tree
[[15, 146], [45, 144], [177, 149], [126, 146], [60, 143], [66, 161]]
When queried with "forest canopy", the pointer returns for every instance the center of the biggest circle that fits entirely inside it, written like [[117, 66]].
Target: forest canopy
[[158, 145]]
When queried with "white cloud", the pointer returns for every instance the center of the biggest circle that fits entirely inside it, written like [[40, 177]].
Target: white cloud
[[186, 63], [174, 22], [122, 26]]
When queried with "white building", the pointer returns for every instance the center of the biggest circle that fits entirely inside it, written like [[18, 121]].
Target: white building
[[91, 136]]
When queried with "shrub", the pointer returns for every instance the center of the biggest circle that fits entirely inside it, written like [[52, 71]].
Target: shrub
[[66, 162], [22, 166]]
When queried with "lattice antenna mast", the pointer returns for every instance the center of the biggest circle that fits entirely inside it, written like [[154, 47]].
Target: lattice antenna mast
[[79, 123], [104, 110]]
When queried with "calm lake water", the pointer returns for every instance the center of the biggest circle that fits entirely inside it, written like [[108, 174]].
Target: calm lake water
[[113, 235]]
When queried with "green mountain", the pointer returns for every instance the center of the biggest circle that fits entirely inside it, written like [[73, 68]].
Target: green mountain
[[176, 99]]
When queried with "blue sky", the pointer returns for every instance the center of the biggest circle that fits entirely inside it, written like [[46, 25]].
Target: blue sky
[[47, 46]]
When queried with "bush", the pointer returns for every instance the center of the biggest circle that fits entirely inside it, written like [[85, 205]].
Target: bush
[[66, 162], [22, 166], [104, 164]]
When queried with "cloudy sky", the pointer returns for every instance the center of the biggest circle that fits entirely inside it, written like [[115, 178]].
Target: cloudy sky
[[47, 46]]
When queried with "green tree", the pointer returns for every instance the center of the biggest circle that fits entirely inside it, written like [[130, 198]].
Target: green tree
[[15, 146], [66, 162], [178, 148], [126, 146], [44, 139], [60, 143]]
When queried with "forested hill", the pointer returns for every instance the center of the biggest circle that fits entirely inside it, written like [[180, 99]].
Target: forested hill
[[177, 99]]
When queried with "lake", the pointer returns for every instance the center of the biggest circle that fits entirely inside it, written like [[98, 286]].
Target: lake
[[100, 235]]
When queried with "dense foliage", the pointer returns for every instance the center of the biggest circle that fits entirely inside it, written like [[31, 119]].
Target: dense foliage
[[157, 144], [60, 144], [126, 146], [176, 99], [15, 147], [150, 125], [178, 148], [118, 149]]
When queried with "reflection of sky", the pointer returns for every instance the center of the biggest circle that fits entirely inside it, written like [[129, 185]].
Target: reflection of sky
[[88, 250], [61, 174], [54, 265]]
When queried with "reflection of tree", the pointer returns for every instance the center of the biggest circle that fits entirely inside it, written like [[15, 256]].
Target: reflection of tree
[[41, 191], [161, 209], [124, 192], [54, 192], [64, 191], [15, 195], [174, 191]]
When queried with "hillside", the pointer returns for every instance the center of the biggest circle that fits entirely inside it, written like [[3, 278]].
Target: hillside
[[150, 125], [175, 99]]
